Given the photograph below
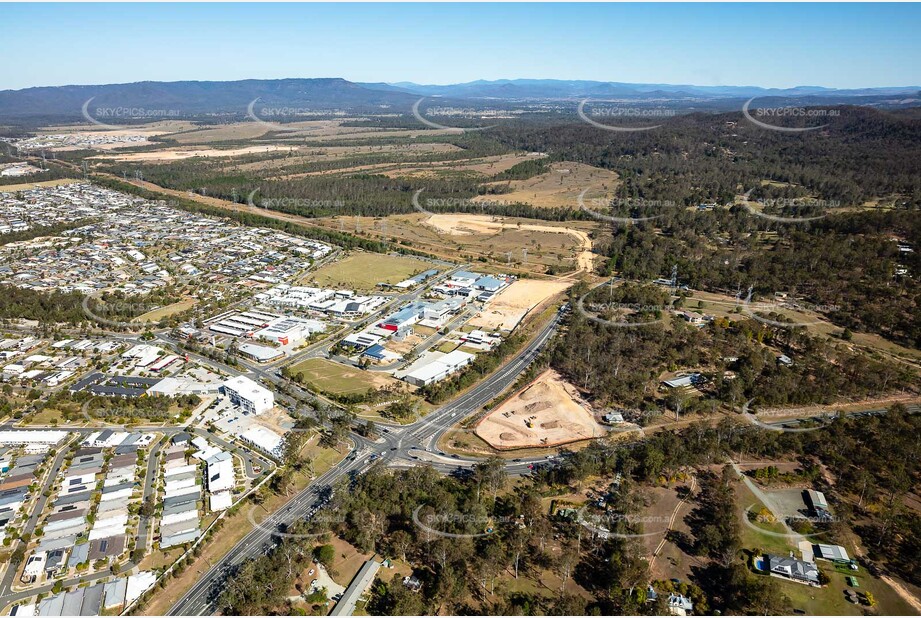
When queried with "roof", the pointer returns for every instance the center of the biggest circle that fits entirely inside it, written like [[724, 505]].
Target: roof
[[793, 568], [221, 501], [346, 604], [260, 352], [489, 283], [269, 441], [831, 552], [376, 351], [246, 388]]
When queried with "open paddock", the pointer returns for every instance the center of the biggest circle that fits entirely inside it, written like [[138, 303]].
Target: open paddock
[[330, 377], [363, 271]]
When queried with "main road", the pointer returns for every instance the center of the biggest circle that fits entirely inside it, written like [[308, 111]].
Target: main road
[[399, 444]]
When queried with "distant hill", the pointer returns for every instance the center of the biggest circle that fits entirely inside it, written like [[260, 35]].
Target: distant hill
[[196, 98], [555, 88], [230, 99]]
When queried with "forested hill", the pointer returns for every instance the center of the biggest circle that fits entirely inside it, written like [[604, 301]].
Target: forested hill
[[861, 154], [194, 98]]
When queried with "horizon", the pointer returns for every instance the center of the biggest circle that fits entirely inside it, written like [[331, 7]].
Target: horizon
[[401, 83], [829, 46]]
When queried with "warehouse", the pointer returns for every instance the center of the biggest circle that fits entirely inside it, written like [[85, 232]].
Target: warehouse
[[290, 331], [259, 353], [407, 316], [440, 368]]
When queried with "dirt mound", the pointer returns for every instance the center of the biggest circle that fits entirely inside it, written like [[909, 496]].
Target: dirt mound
[[550, 425], [541, 389], [507, 436], [537, 406]]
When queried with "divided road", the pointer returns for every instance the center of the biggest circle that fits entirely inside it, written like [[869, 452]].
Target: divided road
[[399, 443]]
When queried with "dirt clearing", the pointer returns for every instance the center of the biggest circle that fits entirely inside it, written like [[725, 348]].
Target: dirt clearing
[[461, 225], [190, 153], [544, 413], [511, 304]]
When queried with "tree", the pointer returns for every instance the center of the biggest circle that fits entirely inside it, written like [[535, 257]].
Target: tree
[[325, 554]]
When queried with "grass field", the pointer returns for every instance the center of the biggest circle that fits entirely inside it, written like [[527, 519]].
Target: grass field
[[41, 183], [560, 187], [363, 271], [330, 377], [164, 312]]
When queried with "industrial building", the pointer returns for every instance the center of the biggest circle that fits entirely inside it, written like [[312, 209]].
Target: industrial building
[[439, 369]]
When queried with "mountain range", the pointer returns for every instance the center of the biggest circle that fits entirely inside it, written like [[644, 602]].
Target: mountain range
[[231, 98]]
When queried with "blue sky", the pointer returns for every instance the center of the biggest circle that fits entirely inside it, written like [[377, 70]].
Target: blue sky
[[782, 45]]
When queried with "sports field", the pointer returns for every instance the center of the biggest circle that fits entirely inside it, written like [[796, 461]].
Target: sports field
[[363, 271]]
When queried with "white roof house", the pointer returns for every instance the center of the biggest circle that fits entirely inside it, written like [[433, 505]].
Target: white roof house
[[249, 395], [33, 436]]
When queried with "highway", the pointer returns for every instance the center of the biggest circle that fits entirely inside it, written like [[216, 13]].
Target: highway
[[398, 447]]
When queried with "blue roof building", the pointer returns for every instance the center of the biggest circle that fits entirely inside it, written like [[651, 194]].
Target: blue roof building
[[376, 352]]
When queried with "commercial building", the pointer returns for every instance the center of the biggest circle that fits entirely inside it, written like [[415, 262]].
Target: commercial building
[[264, 439], [440, 368], [290, 331], [249, 395], [259, 353]]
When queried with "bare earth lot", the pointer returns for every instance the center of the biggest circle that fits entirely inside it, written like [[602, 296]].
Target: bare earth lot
[[511, 304], [543, 414]]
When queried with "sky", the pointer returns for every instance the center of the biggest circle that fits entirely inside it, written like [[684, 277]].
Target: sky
[[769, 45]]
